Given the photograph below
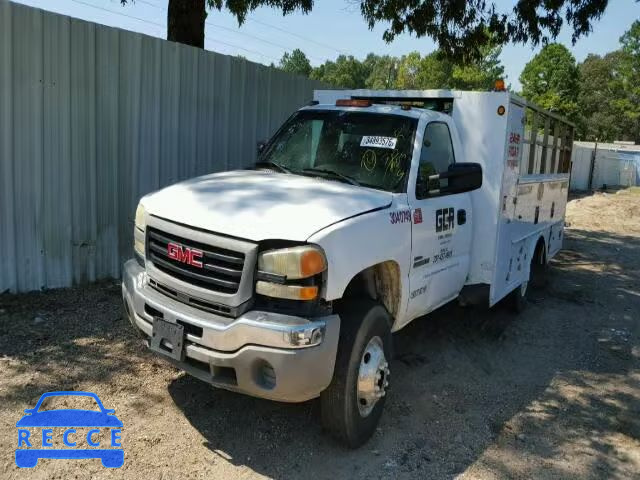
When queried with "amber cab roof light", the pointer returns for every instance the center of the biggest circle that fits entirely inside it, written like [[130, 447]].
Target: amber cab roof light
[[500, 86], [351, 102]]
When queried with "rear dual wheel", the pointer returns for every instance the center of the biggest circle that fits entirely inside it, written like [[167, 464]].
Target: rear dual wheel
[[518, 298], [537, 279], [353, 403]]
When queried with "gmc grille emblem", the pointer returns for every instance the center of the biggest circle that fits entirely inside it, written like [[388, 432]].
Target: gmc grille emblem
[[187, 255]]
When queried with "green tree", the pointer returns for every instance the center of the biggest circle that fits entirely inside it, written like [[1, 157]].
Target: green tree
[[630, 81], [382, 71], [186, 18], [296, 62], [458, 27], [600, 113], [346, 71], [551, 80], [409, 70], [481, 73], [436, 70], [431, 71]]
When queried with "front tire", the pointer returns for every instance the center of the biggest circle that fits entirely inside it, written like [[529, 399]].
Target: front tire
[[353, 403]]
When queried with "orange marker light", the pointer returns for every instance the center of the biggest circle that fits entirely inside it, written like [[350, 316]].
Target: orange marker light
[[499, 86], [291, 292], [312, 262], [343, 102], [308, 293]]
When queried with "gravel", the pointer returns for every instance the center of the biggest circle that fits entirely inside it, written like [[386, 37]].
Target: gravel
[[552, 393]]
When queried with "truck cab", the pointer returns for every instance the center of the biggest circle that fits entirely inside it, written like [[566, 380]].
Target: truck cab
[[364, 211]]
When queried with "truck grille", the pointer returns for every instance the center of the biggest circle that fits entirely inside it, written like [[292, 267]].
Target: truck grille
[[221, 268]]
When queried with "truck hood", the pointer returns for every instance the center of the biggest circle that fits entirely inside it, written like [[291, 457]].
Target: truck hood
[[259, 205]]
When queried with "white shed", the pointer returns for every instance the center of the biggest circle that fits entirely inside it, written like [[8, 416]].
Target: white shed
[[611, 164]]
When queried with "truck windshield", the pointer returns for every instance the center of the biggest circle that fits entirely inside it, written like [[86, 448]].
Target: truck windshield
[[368, 149]]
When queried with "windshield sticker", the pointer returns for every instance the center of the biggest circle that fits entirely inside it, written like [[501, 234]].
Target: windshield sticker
[[378, 142]]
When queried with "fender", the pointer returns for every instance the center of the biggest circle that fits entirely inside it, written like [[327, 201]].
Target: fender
[[365, 240]]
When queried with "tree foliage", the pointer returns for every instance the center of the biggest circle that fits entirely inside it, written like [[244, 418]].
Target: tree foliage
[[382, 71], [629, 77], [296, 62], [413, 71], [346, 71], [186, 18], [600, 113], [550, 80], [460, 28], [601, 94]]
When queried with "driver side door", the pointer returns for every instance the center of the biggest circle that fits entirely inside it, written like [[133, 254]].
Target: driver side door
[[441, 226]]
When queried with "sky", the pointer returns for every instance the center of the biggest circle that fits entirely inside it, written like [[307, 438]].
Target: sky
[[334, 27]]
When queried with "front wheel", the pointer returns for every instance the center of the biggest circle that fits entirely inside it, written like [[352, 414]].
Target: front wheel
[[353, 403]]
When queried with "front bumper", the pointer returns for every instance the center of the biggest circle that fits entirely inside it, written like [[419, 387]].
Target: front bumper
[[257, 353]]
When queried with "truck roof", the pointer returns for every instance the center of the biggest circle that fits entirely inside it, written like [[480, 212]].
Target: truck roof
[[439, 100], [413, 112]]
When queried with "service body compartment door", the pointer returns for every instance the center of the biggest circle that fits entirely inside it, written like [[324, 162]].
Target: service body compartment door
[[509, 270], [441, 228]]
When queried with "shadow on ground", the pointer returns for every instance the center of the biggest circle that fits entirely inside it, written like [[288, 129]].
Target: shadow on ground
[[465, 382], [459, 376], [61, 339]]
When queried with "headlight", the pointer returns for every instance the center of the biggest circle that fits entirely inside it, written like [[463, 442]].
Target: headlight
[[139, 230], [294, 263], [141, 217], [287, 264]]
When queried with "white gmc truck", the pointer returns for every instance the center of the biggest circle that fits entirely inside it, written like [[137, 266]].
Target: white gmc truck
[[366, 210]]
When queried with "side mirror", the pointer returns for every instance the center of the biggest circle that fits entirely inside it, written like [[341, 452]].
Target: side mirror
[[260, 146], [459, 178], [462, 177]]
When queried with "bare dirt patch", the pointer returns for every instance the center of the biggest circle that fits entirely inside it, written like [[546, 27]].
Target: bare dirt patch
[[552, 393]]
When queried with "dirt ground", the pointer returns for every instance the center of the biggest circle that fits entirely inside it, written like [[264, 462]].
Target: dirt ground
[[552, 393]]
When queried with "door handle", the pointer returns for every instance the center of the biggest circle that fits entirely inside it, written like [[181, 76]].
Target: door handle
[[462, 217]]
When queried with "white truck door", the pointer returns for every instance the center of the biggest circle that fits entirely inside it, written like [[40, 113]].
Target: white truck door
[[441, 227]]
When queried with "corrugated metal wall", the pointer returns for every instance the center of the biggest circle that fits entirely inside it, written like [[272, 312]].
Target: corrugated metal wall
[[92, 118]]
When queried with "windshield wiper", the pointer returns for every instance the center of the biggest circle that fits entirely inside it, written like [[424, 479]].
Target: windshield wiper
[[339, 175], [280, 168]]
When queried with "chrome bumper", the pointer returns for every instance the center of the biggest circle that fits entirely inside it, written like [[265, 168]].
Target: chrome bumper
[[264, 354]]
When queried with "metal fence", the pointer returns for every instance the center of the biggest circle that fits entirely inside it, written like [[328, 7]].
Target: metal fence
[[93, 117]]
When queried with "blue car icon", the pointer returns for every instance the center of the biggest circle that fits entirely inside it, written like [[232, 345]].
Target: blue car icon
[[69, 418]]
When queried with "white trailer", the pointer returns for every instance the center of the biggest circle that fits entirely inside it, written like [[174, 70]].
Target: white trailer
[[366, 210]]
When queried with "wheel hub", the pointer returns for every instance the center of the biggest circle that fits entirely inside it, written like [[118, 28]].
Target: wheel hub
[[373, 376]]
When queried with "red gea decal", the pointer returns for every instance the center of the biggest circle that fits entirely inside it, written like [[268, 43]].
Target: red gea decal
[[187, 255]]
